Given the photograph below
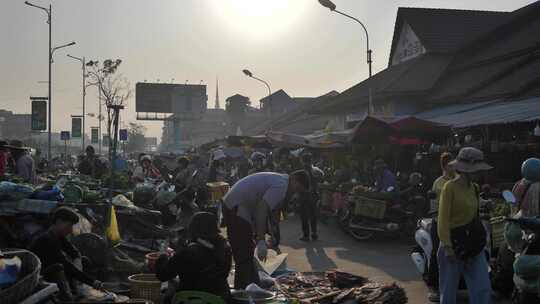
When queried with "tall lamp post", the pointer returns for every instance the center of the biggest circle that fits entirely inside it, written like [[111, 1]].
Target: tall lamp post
[[331, 6], [50, 56], [83, 62], [249, 74]]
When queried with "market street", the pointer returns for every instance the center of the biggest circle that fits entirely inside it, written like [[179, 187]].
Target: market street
[[379, 260]]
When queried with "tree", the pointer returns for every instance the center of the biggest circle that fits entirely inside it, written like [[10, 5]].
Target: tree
[[114, 91], [136, 134]]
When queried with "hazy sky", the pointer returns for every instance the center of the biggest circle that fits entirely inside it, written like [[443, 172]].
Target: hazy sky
[[296, 45]]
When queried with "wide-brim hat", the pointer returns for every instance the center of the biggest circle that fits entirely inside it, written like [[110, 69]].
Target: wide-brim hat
[[17, 145], [470, 160]]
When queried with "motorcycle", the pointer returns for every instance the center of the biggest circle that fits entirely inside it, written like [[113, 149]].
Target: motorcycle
[[526, 245], [364, 217]]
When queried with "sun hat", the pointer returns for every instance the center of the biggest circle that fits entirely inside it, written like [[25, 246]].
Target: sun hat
[[470, 160], [17, 145], [146, 157]]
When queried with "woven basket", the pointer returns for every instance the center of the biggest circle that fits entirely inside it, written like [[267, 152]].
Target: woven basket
[[145, 286], [28, 277], [497, 231]]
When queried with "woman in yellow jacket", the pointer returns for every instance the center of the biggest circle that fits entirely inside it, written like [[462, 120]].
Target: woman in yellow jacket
[[458, 207]]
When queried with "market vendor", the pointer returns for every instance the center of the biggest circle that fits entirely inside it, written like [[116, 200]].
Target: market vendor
[[61, 261], [25, 167], [145, 170], [247, 209], [204, 264], [385, 180], [90, 164]]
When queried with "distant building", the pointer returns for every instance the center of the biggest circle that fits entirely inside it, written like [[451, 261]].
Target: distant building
[[15, 126], [277, 104]]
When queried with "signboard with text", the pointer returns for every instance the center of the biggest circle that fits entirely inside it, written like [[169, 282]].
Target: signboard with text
[[39, 114], [76, 127], [64, 135], [123, 133]]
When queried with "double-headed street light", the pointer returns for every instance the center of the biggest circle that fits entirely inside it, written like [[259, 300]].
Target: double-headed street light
[[331, 6], [50, 56], [83, 62]]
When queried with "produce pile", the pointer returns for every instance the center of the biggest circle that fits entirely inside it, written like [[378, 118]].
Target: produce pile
[[338, 287]]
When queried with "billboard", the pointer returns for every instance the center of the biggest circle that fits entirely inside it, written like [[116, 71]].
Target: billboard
[[39, 113], [185, 99], [94, 135], [76, 127], [64, 135]]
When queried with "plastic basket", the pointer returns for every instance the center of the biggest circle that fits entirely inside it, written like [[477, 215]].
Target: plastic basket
[[497, 231], [28, 277], [217, 190], [145, 286], [364, 206]]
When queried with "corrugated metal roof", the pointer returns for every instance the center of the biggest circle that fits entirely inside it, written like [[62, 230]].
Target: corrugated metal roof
[[486, 113]]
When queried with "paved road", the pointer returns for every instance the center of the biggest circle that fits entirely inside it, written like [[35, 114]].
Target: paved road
[[381, 260]]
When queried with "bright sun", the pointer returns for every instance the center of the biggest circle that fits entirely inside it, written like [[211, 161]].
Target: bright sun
[[260, 18]]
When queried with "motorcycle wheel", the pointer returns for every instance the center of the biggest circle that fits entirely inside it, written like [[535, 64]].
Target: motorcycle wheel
[[359, 234], [343, 219]]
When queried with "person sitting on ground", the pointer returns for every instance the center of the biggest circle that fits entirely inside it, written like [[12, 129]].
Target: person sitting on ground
[[145, 170], [204, 264], [24, 163], [61, 262], [385, 180]]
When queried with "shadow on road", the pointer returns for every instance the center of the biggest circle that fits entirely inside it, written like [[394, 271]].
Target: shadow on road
[[386, 255]]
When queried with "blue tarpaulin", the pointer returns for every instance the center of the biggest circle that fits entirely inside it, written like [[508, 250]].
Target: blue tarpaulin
[[485, 113]]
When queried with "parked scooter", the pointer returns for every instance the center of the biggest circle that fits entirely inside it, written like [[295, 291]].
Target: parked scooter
[[364, 217], [526, 245]]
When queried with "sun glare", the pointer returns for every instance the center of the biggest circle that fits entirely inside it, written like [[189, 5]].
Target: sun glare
[[260, 18]]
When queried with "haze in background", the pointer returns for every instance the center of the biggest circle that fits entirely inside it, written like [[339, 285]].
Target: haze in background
[[296, 45]]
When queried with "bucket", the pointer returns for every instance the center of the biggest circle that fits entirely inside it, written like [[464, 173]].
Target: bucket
[[151, 259]]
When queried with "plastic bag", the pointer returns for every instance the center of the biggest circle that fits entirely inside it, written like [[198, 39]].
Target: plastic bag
[[112, 233]]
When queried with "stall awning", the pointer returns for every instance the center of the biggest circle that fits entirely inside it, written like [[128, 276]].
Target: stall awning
[[486, 113]]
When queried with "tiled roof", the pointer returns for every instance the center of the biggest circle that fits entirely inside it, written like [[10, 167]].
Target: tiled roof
[[446, 30], [410, 77]]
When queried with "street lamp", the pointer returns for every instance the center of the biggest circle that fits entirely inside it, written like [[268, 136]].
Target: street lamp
[[83, 62], [249, 74], [50, 56], [332, 7]]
